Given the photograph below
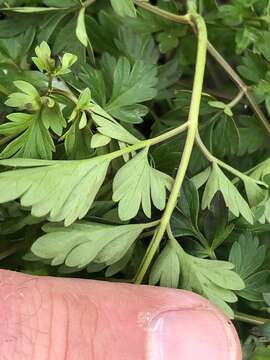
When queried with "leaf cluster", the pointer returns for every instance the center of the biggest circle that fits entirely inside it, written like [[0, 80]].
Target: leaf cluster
[[94, 102]]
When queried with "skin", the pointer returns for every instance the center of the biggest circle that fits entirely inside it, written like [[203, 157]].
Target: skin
[[46, 318]]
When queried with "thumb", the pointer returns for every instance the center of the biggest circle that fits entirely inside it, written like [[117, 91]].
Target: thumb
[[45, 318]]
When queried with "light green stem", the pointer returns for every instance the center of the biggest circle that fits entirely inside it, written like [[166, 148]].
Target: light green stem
[[192, 130], [140, 144], [144, 143], [250, 319], [236, 100], [183, 19], [211, 158]]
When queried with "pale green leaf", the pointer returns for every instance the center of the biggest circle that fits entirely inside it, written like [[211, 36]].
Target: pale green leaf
[[200, 179], [27, 88], [228, 111], [43, 60], [61, 190], [217, 104], [34, 140], [81, 29], [83, 121], [166, 269], [220, 303], [124, 7], [217, 181], [19, 122], [120, 264], [254, 192], [213, 279], [99, 140], [137, 190], [86, 242], [84, 99], [66, 62], [28, 98], [219, 274], [53, 118], [107, 126]]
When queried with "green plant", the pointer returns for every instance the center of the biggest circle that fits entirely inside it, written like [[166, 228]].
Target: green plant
[[127, 152]]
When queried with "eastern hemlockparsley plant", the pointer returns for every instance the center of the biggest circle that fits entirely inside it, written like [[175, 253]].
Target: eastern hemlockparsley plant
[[134, 145]]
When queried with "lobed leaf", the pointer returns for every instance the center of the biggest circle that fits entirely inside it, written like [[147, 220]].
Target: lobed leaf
[[137, 190], [61, 190], [217, 181], [211, 278], [166, 269], [83, 243]]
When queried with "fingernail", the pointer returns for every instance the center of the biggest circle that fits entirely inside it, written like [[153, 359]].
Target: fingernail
[[191, 335]]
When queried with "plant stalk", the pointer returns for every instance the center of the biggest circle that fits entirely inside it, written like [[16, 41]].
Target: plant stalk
[[183, 19], [211, 158], [192, 130], [237, 99], [250, 319]]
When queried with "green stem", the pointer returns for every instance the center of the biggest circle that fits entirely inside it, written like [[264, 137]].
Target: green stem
[[142, 144], [211, 158], [152, 224], [183, 19], [145, 143], [250, 319], [68, 94], [236, 100], [213, 92], [231, 104], [192, 130], [146, 234]]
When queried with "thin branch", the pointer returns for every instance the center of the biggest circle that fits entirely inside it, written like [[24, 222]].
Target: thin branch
[[212, 159], [145, 143], [192, 130], [212, 92], [250, 319], [182, 19], [236, 100]]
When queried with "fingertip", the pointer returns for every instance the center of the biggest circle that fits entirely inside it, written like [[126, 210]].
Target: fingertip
[[127, 322]]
